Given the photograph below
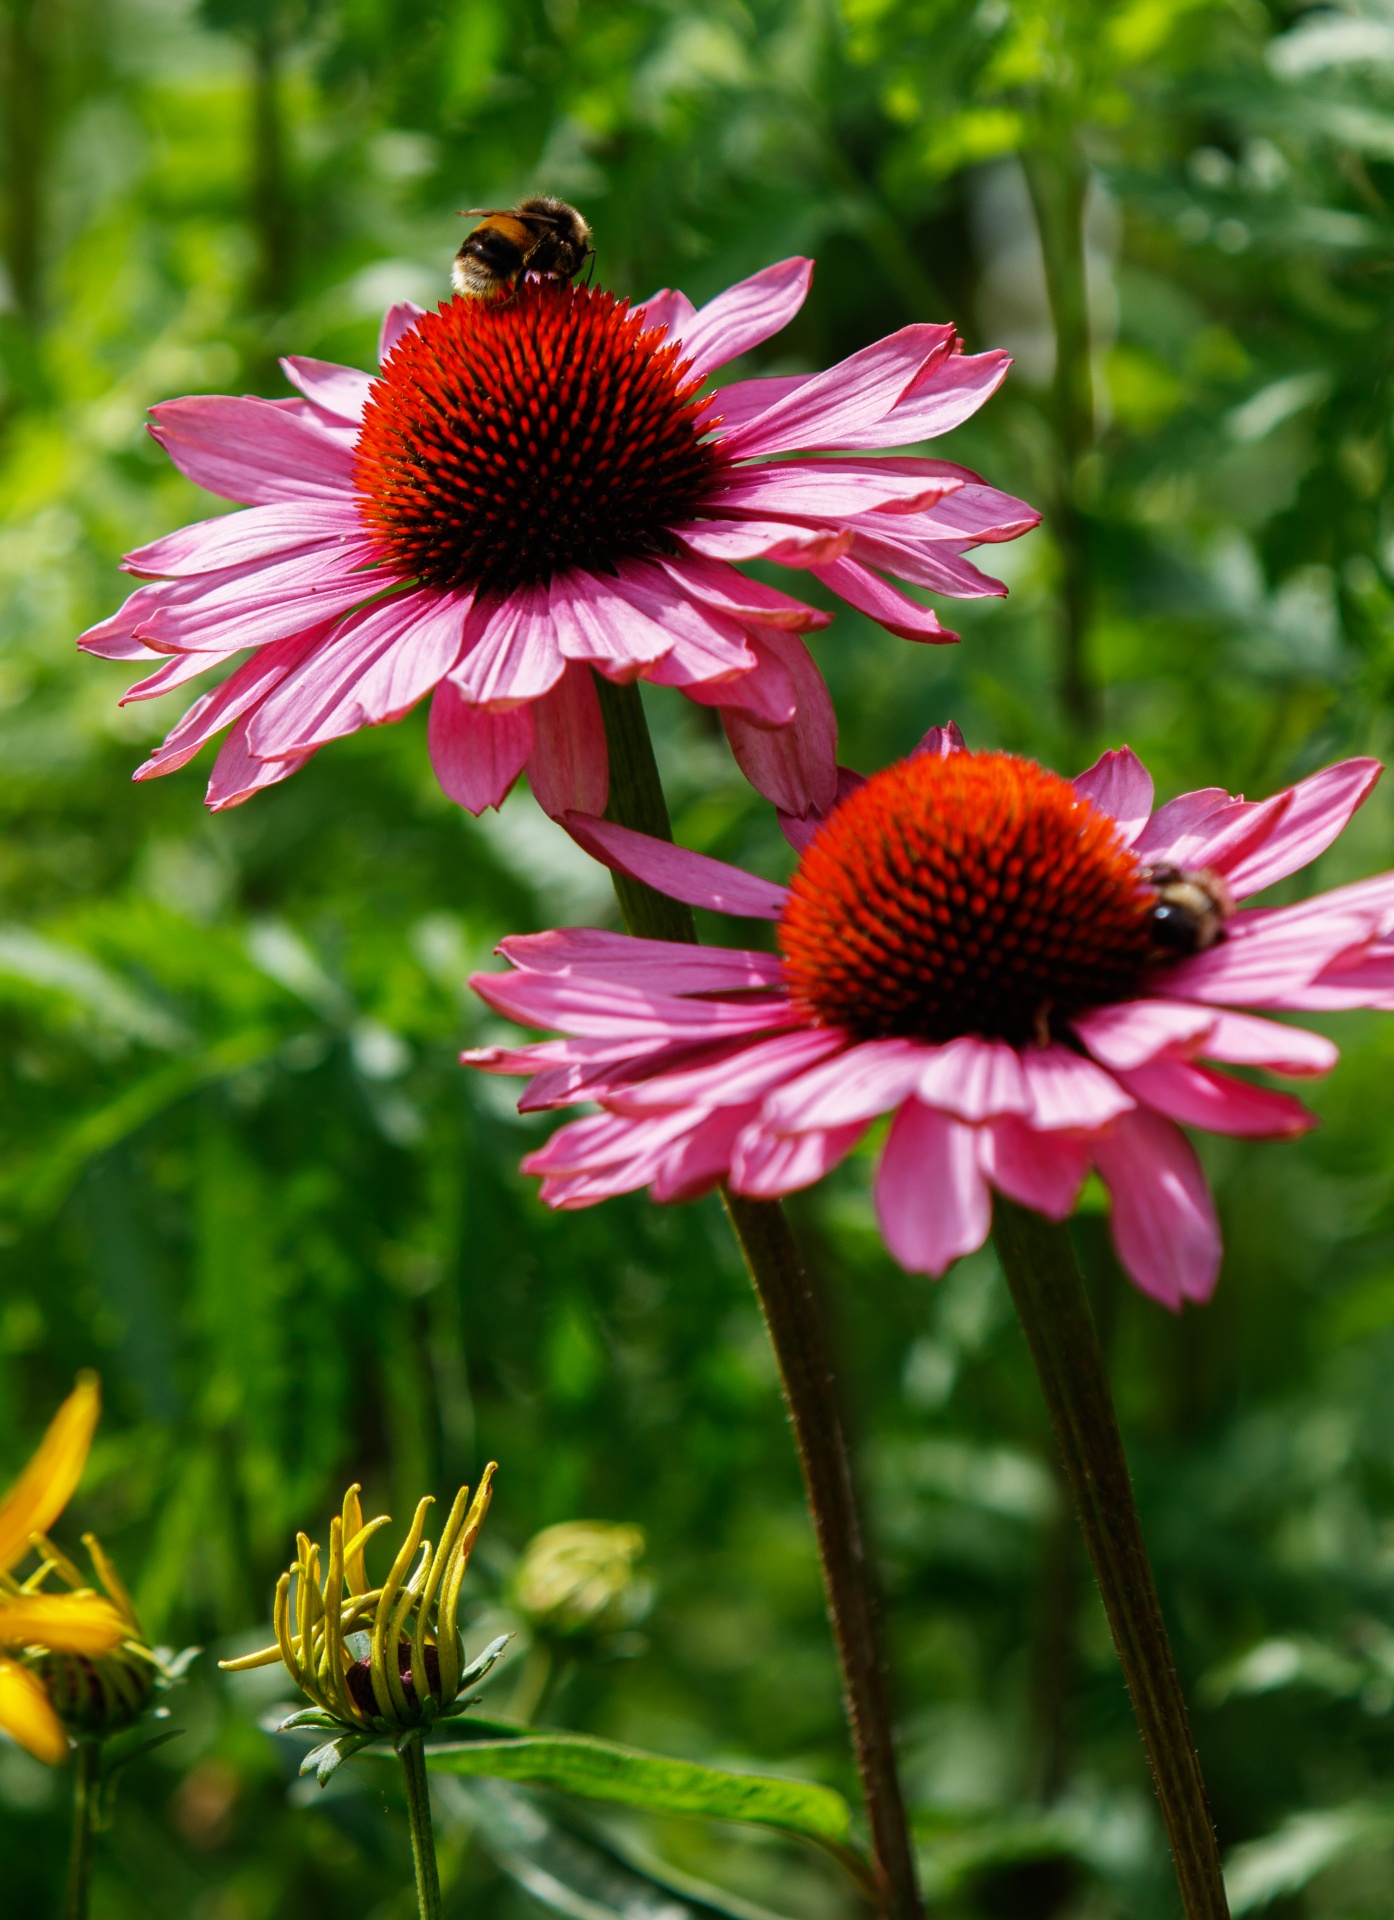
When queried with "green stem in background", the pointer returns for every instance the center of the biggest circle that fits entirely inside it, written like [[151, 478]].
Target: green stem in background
[[800, 1345], [423, 1840], [1048, 1288], [1058, 180], [87, 1783], [269, 199], [25, 122]]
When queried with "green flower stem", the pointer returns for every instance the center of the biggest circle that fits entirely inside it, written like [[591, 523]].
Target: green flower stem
[[1039, 1261], [87, 1781], [800, 1345], [423, 1842]]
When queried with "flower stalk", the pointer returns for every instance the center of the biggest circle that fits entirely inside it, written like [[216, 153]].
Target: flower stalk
[[423, 1843], [1048, 1289], [87, 1785], [806, 1374]]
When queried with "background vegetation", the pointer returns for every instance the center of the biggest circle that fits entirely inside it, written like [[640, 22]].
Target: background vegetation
[[239, 1170]]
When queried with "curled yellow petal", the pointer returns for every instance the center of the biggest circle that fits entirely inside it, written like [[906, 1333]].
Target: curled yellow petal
[[63, 1622], [28, 1718], [47, 1484]]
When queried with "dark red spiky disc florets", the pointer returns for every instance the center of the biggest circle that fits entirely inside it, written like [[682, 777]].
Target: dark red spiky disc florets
[[509, 440], [972, 894]]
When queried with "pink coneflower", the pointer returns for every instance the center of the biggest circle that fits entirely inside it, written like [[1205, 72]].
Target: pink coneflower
[[534, 488], [977, 947]]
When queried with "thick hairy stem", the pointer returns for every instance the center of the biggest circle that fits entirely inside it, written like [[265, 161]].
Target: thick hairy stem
[[790, 1311], [423, 1840], [1058, 179], [87, 1780], [1048, 1288]]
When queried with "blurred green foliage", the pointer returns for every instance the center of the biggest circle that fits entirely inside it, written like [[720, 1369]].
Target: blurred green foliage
[[239, 1170]]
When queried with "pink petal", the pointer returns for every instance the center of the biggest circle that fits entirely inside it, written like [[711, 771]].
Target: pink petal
[[1366, 980], [745, 314], [270, 604], [511, 650], [667, 309], [694, 1164], [569, 768], [607, 1011], [941, 741], [1044, 1171], [1163, 1219], [1243, 1040], [1120, 786], [949, 392], [880, 541], [765, 697], [477, 754], [610, 1140], [175, 670], [738, 598], [973, 514], [256, 534], [659, 966], [819, 489], [729, 1077], [249, 450], [974, 1079], [1321, 807], [237, 774], [595, 622], [339, 390], [764, 1166], [1210, 831], [1132, 1032], [742, 400], [705, 644], [1176, 829], [115, 637], [869, 594], [1069, 1091], [375, 667], [800, 830], [399, 319], [1265, 959], [693, 877], [233, 698], [1202, 1098], [794, 766], [865, 1080], [931, 1197], [843, 406], [775, 540]]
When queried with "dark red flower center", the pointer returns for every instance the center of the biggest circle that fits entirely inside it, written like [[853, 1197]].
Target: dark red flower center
[[509, 440], [973, 894]]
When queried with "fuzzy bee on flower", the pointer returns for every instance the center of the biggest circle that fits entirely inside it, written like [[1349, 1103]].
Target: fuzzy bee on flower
[[377, 1661]]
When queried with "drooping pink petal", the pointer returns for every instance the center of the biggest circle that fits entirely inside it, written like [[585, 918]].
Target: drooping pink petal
[[972, 514], [233, 698], [942, 397], [667, 309], [375, 667], [115, 637], [477, 754], [659, 966], [174, 670], [775, 540], [1163, 1218], [764, 1165], [1244, 1040], [1365, 980], [1131, 1032], [610, 1140], [741, 400], [339, 390], [745, 315], [694, 1164], [693, 877], [706, 645], [793, 766], [1120, 786], [931, 1198], [815, 489], [608, 1011], [249, 450], [871, 595], [237, 773], [766, 696], [799, 829], [1069, 1091], [865, 1080], [730, 1077], [1201, 1098], [741, 599], [254, 535], [271, 604], [879, 541], [974, 1079], [511, 651], [1044, 1171], [1265, 959], [594, 622], [843, 406], [569, 767], [1321, 807], [398, 319]]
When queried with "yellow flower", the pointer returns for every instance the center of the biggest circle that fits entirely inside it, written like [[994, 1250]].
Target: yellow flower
[[101, 1694], [378, 1660], [79, 1623]]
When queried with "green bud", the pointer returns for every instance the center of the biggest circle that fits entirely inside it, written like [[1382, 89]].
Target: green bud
[[579, 1578]]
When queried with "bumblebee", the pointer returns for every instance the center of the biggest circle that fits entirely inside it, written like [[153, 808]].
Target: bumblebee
[[541, 236], [1190, 912]]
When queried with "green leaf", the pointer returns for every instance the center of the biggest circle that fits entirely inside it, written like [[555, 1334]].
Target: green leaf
[[603, 1770]]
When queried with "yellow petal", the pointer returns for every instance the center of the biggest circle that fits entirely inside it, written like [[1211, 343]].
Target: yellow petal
[[64, 1622], [28, 1718], [46, 1485]]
